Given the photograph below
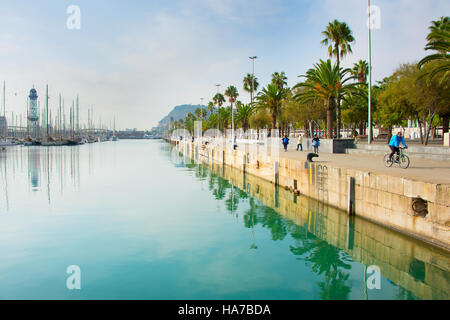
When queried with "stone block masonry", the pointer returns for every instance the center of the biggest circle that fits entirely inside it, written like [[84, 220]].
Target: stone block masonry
[[416, 208]]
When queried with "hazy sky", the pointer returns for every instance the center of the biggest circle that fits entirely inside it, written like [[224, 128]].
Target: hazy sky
[[138, 59]]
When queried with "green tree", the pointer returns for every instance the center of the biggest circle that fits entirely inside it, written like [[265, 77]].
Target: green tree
[[248, 84], [338, 37], [361, 70], [271, 99], [219, 100], [244, 114], [232, 94], [279, 79], [211, 107], [439, 41], [325, 82]]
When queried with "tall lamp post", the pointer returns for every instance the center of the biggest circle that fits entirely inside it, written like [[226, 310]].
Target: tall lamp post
[[369, 139]]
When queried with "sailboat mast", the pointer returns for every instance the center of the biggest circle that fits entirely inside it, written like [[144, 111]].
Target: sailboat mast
[[78, 117], [28, 123], [46, 110], [59, 118], [4, 98]]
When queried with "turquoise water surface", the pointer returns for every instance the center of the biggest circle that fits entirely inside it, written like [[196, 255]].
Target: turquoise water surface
[[142, 222]]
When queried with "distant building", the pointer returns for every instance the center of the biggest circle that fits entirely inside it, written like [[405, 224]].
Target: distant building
[[3, 127]]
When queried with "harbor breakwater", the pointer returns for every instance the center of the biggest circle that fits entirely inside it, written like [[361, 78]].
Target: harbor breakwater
[[416, 208]]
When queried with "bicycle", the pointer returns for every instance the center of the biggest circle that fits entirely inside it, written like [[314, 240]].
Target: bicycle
[[401, 159]]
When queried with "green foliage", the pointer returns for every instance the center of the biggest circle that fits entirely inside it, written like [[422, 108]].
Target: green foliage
[[323, 84], [244, 114], [248, 84], [439, 41], [338, 37], [271, 99]]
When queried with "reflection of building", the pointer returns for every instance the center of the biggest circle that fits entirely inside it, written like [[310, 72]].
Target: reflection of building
[[33, 114], [3, 126]]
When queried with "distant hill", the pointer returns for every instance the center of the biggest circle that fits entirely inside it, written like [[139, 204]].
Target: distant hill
[[180, 112]]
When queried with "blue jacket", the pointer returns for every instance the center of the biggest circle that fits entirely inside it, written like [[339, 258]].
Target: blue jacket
[[285, 141], [396, 140]]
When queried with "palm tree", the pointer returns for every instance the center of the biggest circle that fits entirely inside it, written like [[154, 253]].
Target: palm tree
[[338, 37], [439, 41], [271, 99], [361, 70], [224, 117], [232, 95], [279, 79], [244, 113], [211, 107], [198, 113], [248, 84], [325, 82], [219, 100]]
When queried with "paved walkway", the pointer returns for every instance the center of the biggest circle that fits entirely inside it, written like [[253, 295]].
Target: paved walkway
[[422, 170]]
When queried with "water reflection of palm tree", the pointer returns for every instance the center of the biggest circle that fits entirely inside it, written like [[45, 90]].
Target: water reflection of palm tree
[[250, 216], [222, 185], [334, 286], [328, 260], [268, 218]]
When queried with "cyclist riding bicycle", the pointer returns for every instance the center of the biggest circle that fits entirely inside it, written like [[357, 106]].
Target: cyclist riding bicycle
[[394, 144]]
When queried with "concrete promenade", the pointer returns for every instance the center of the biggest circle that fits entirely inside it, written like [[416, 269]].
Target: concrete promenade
[[430, 171]]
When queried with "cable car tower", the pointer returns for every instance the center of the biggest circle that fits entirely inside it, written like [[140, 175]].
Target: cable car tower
[[33, 114]]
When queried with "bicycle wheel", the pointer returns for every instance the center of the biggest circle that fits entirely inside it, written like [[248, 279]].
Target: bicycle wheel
[[388, 162], [404, 162]]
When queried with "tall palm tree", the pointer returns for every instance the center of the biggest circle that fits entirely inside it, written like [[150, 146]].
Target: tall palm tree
[[232, 94], [248, 84], [439, 41], [219, 100], [361, 70], [271, 99], [325, 82], [244, 113], [224, 117], [338, 38], [198, 113], [211, 107], [279, 79]]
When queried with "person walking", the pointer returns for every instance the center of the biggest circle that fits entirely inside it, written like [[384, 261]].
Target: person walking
[[316, 143], [300, 142], [285, 143]]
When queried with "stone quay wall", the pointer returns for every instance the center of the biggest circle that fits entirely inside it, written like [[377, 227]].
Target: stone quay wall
[[383, 199]]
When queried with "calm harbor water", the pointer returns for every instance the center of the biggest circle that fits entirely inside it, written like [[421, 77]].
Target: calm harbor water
[[143, 222]]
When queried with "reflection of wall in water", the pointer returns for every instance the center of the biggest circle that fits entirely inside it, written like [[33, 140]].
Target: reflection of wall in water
[[411, 264]]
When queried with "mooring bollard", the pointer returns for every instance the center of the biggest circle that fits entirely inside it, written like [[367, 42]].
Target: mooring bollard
[[351, 196], [276, 173]]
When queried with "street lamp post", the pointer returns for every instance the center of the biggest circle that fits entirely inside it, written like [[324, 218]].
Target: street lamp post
[[369, 139]]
